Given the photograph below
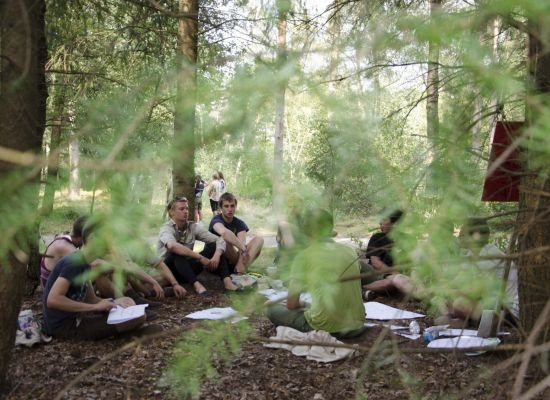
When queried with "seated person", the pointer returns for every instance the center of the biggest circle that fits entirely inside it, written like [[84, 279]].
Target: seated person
[[64, 244], [377, 269], [175, 245], [60, 246], [71, 308], [483, 278], [321, 269], [233, 230]]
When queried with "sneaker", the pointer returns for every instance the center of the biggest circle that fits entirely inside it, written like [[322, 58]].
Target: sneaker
[[369, 295]]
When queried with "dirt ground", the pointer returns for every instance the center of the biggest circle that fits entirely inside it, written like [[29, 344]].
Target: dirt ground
[[391, 367]]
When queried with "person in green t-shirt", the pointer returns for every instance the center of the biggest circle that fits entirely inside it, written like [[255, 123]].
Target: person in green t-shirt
[[321, 269]]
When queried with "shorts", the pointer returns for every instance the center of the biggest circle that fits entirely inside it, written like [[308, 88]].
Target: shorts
[[213, 205], [89, 326]]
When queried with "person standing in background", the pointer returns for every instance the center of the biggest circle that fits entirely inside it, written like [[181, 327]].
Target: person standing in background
[[199, 189], [222, 182], [214, 193]]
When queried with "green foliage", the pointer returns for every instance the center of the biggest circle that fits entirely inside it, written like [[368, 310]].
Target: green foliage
[[198, 353]]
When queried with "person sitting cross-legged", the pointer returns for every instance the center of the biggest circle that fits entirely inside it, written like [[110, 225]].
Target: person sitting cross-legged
[[321, 269], [71, 308], [483, 269], [233, 230], [175, 246], [379, 274]]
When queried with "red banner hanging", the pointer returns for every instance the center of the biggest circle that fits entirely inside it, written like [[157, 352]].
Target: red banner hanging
[[502, 179]]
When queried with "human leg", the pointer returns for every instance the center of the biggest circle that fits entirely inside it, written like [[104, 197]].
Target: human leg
[[408, 286], [280, 315], [185, 270]]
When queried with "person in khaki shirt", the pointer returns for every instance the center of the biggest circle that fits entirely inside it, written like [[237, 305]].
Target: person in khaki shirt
[[175, 246]]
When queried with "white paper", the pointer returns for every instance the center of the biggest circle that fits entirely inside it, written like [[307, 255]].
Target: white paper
[[458, 332], [383, 312], [213, 313], [463, 342], [119, 314], [273, 295]]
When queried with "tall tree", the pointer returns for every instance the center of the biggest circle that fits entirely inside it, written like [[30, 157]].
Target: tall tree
[[186, 99], [432, 80], [282, 12], [534, 235], [55, 142], [22, 119]]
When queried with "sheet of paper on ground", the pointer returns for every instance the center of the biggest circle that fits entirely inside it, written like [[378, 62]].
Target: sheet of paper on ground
[[216, 313], [383, 312]]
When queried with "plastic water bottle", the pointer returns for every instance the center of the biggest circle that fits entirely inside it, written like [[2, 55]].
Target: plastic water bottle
[[432, 333], [414, 328]]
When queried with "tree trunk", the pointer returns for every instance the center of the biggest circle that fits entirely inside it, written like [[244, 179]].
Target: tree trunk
[[23, 95], [534, 267], [432, 104], [74, 158], [186, 98], [53, 155], [278, 153], [432, 82]]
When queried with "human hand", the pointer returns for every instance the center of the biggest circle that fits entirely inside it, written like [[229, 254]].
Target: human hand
[[179, 291], [245, 257], [214, 263], [159, 293], [104, 305]]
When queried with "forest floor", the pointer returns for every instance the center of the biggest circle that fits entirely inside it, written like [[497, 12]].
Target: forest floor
[[390, 367]]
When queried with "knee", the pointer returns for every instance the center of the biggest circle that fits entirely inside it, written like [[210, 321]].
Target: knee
[[125, 302]]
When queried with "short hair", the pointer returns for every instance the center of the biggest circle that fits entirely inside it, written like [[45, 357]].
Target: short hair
[[220, 175], [317, 223], [227, 197], [176, 199], [78, 226], [90, 226], [215, 175], [477, 225], [395, 216]]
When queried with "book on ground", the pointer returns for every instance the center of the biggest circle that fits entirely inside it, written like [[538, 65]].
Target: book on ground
[[119, 314]]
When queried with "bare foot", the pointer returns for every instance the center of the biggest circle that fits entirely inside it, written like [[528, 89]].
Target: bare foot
[[198, 287]]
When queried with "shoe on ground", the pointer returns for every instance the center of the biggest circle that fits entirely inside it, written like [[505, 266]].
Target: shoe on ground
[[369, 295]]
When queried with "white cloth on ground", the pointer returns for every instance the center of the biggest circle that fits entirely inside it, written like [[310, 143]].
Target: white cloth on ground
[[321, 353]]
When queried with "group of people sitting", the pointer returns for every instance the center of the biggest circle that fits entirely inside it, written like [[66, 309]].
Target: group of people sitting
[[330, 272], [75, 307]]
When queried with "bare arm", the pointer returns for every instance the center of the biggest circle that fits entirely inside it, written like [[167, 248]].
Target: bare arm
[[178, 248], [179, 291], [380, 266], [58, 300], [230, 237]]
